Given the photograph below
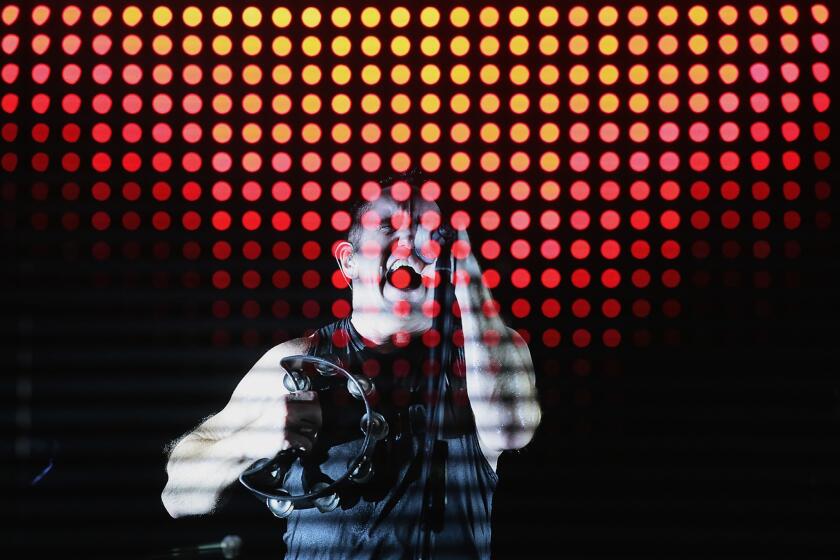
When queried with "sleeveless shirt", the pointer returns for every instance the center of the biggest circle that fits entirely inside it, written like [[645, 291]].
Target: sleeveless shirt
[[380, 519]]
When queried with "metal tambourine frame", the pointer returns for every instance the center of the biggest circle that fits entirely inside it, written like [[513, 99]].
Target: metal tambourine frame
[[265, 478]]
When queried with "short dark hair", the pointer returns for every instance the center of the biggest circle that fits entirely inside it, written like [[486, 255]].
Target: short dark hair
[[414, 177]]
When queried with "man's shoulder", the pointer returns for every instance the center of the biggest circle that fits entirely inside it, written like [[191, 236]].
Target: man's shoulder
[[289, 348]]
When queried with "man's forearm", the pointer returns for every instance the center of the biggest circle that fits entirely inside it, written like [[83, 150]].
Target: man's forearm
[[500, 373]]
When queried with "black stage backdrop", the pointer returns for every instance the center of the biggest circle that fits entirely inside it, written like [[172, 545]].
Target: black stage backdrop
[[700, 418]]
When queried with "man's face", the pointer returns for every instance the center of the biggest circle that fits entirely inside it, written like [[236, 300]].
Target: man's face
[[391, 276]]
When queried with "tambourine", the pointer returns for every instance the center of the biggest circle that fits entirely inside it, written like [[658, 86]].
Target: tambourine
[[266, 477]]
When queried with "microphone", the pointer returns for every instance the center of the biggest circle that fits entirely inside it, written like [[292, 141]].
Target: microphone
[[427, 243], [227, 548]]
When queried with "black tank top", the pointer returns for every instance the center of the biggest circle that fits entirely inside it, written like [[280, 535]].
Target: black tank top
[[381, 518]]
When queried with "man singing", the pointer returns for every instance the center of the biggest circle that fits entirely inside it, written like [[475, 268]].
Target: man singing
[[490, 405]]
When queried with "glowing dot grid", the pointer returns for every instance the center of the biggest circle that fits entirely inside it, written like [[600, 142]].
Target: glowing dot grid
[[599, 152]]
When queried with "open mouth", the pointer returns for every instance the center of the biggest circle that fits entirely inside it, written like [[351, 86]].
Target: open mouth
[[402, 276]]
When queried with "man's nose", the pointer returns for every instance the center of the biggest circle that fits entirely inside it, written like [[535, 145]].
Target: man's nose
[[404, 243]]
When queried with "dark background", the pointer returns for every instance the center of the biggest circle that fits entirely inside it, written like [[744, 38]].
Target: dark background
[[710, 431]]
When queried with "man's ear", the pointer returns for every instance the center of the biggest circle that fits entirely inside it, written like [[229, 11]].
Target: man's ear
[[344, 256]]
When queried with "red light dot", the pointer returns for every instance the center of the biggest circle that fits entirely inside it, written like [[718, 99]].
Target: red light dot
[[580, 278], [581, 338], [520, 249], [551, 338], [520, 278], [490, 278], [550, 278], [550, 308]]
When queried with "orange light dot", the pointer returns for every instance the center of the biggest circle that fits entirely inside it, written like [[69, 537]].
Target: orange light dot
[[638, 15], [489, 74], [489, 133], [578, 16], [281, 17], [549, 75], [311, 74], [638, 44], [251, 16], [281, 104], [549, 103], [429, 16], [549, 16], [311, 17], [728, 15], [430, 133], [430, 45], [608, 44], [459, 133], [518, 16], [459, 103], [341, 133], [281, 74], [488, 16], [162, 16], [281, 133], [578, 45], [459, 17], [371, 17], [579, 103], [519, 132], [400, 104], [549, 45], [430, 103], [578, 74], [638, 103], [668, 15], [607, 16], [222, 133]]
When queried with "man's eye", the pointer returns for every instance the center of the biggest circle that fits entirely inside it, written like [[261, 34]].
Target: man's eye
[[386, 227]]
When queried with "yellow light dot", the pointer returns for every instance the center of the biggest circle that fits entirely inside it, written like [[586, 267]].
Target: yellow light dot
[[222, 103], [281, 104], [341, 17], [518, 16], [132, 16], [728, 73], [371, 17], [222, 133], [251, 133], [371, 45], [162, 45], [101, 15], [311, 46], [549, 132], [281, 17], [698, 44], [401, 104], [698, 102], [698, 15], [371, 74], [341, 74], [341, 46], [400, 74], [311, 17], [728, 15], [638, 103], [578, 16], [311, 74], [192, 16], [607, 16], [341, 103], [310, 103], [578, 45], [668, 15], [638, 74], [459, 133], [430, 103], [251, 103], [430, 16], [459, 103], [698, 74], [191, 45], [519, 74], [759, 43], [222, 74], [549, 45], [820, 13], [578, 74], [251, 45], [222, 16], [668, 44], [310, 133], [519, 132], [489, 45], [668, 103], [430, 45], [490, 133], [608, 74], [460, 74], [459, 17], [430, 74], [608, 44], [341, 133], [759, 15], [400, 45], [549, 74], [549, 103], [488, 16], [638, 44], [579, 103], [251, 16], [549, 16], [459, 45], [252, 74], [608, 103], [281, 46], [668, 74], [400, 16], [281, 133], [489, 103], [638, 15], [400, 133], [162, 16], [728, 43], [460, 162], [430, 133], [222, 45], [518, 45], [281, 75], [519, 103], [371, 103]]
